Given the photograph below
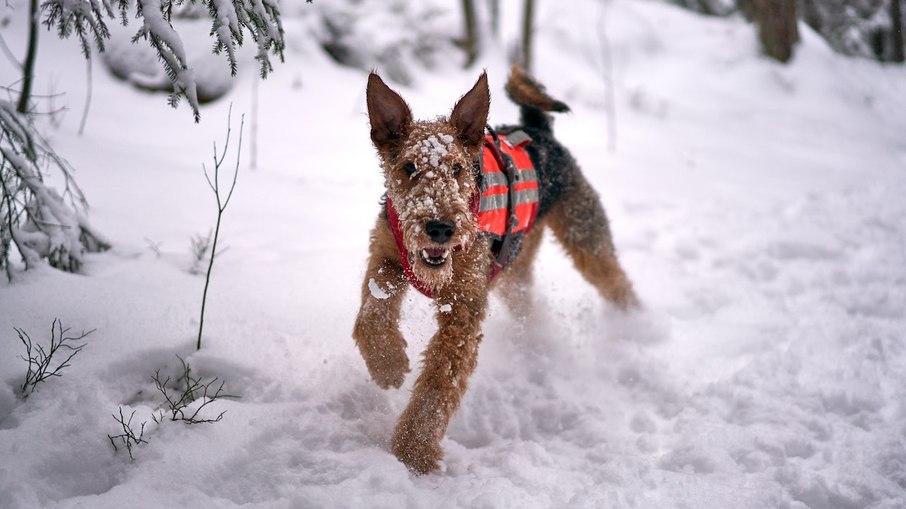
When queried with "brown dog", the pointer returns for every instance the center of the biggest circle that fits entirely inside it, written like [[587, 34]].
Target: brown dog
[[450, 223]]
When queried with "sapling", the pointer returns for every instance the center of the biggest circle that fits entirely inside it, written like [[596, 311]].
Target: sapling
[[222, 203]]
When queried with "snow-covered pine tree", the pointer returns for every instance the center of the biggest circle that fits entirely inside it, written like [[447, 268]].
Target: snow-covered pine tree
[[230, 19]]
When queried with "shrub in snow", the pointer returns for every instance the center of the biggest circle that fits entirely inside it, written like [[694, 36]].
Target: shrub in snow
[[185, 399], [128, 437], [41, 361], [230, 19], [181, 396], [36, 220], [199, 247]]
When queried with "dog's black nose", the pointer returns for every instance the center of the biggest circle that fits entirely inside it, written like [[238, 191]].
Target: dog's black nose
[[440, 231]]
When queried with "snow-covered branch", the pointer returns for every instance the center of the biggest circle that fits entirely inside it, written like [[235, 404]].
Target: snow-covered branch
[[34, 218], [229, 21], [85, 18], [260, 17]]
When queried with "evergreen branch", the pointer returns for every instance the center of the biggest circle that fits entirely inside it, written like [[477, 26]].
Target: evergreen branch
[[230, 19]]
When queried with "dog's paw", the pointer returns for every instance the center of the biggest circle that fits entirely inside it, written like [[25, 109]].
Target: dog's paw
[[419, 454], [388, 367], [384, 352]]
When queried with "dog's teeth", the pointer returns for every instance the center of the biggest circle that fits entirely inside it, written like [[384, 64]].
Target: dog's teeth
[[430, 259]]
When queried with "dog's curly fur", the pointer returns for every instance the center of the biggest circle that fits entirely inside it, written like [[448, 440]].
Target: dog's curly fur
[[428, 168]]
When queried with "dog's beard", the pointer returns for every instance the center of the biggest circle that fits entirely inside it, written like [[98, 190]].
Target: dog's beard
[[433, 263], [434, 278]]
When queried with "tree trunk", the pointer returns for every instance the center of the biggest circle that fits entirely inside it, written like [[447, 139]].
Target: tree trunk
[[896, 17], [470, 35], [494, 7], [777, 28], [28, 68], [528, 31]]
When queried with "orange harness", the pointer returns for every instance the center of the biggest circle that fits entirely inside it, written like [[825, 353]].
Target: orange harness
[[505, 206]]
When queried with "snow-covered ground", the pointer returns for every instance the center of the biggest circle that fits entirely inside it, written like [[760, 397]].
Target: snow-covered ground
[[760, 210]]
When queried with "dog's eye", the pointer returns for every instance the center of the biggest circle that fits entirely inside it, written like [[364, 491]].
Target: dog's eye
[[457, 169], [410, 168]]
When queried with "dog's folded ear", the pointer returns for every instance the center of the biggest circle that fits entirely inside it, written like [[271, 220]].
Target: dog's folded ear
[[389, 114], [470, 115]]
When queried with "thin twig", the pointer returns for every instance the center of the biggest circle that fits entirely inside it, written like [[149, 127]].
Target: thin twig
[[87, 94]]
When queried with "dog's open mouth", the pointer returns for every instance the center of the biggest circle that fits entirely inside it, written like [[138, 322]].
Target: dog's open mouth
[[434, 257]]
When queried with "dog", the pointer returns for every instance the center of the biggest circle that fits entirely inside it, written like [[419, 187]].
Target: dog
[[434, 233]]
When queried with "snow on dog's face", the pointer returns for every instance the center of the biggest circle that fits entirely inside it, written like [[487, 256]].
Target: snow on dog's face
[[429, 174]]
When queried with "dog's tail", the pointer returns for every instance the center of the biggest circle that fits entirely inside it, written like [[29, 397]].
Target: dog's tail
[[533, 101]]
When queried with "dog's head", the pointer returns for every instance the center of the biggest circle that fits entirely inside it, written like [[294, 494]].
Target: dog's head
[[429, 171]]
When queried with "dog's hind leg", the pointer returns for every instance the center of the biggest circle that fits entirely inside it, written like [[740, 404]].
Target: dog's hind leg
[[580, 224], [376, 330], [515, 283]]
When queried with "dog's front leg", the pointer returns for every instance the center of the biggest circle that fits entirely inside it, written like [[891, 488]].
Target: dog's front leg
[[376, 330], [449, 360]]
